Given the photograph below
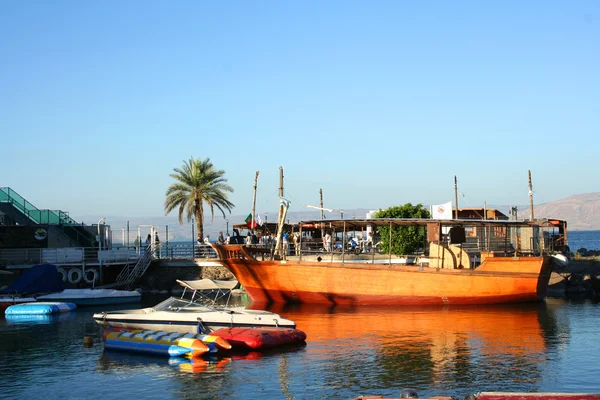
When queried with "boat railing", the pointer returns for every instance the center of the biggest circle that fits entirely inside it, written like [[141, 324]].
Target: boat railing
[[477, 242]]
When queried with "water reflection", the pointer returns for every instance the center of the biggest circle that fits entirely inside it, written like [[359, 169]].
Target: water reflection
[[28, 319], [350, 351], [112, 361], [457, 345]]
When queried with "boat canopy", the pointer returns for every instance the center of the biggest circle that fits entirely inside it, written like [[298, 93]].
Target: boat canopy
[[349, 224], [209, 290], [208, 284]]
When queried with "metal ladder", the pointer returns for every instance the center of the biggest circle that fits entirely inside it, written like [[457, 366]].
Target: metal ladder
[[130, 274]]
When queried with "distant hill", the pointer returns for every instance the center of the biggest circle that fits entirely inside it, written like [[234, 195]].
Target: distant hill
[[582, 212]]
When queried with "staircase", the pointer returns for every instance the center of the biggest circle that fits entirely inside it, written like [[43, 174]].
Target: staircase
[[22, 212], [21, 207], [77, 234], [130, 274]]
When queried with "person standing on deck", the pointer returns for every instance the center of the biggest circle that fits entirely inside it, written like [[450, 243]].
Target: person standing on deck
[[207, 246], [327, 242], [156, 245], [220, 238], [296, 241], [227, 238], [285, 241], [292, 240], [369, 242]]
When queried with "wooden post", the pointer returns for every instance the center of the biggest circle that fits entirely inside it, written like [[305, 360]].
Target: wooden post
[[531, 196], [323, 216], [252, 224], [281, 216], [485, 233], [390, 252], [322, 210], [300, 245], [456, 196], [280, 191], [343, 244]]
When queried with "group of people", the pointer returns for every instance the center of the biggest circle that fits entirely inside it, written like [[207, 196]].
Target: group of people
[[156, 247], [364, 244], [149, 239], [220, 239]]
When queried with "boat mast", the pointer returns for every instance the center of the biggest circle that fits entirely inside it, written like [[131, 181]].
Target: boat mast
[[322, 210], [280, 190], [486, 227], [278, 246], [322, 214], [530, 195], [456, 196], [252, 223]]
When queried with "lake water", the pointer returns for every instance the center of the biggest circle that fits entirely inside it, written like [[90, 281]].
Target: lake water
[[589, 240], [550, 346]]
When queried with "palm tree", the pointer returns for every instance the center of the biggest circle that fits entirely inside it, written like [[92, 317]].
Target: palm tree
[[198, 182]]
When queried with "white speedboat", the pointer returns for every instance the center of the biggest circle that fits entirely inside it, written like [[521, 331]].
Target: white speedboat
[[190, 315]]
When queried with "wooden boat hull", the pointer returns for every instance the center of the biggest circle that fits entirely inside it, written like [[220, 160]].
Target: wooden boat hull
[[497, 280]]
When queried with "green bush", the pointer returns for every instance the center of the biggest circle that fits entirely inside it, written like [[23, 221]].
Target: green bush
[[405, 239]]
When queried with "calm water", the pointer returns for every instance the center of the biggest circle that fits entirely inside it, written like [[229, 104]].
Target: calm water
[[584, 239], [349, 352], [551, 346]]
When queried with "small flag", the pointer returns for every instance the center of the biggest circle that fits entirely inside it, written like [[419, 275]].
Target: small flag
[[442, 211], [259, 220], [249, 223], [284, 202]]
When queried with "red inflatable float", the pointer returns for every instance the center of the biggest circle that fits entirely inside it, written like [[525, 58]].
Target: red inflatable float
[[260, 338]]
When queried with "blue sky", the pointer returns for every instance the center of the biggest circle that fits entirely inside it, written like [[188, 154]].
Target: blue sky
[[377, 103]]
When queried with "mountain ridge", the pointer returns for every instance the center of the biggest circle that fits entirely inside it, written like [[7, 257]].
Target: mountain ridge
[[581, 211]]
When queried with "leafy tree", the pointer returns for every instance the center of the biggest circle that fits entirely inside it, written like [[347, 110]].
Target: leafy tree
[[405, 239], [198, 182]]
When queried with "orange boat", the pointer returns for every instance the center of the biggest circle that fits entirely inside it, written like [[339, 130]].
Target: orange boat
[[463, 262]]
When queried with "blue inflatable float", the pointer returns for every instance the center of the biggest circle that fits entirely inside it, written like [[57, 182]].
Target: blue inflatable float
[[40, 308]]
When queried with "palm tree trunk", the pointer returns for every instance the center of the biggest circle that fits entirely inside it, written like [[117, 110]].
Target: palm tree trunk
[[199, 212]]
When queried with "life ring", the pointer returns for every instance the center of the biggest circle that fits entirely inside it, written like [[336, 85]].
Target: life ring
[[91, 275], [62, 273], [75, 275]]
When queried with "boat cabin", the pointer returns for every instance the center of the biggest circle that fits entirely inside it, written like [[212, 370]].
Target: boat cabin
[[456, 243]]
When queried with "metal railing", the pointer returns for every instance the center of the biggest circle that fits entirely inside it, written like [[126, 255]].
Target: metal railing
[[61, 256], [130, 274], [49, 217], [117, 255]]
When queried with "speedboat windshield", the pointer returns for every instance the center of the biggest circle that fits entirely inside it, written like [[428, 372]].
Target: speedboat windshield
[[181, 305]]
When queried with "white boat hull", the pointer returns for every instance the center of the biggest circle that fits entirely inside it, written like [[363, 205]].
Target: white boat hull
[[189, 321]]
